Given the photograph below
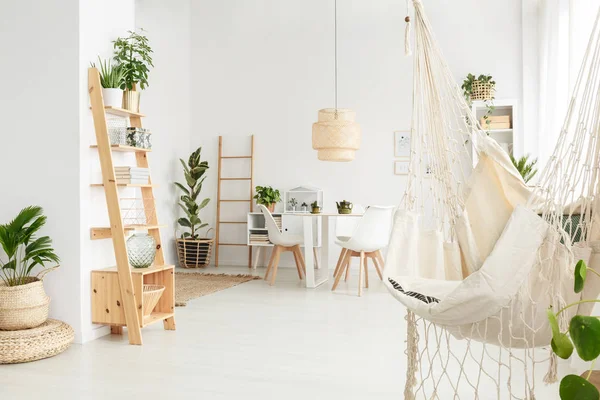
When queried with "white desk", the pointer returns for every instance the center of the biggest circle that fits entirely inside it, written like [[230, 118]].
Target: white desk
[[313, 281]]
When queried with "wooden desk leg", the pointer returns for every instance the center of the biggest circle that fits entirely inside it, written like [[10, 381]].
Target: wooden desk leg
[[308, 251]]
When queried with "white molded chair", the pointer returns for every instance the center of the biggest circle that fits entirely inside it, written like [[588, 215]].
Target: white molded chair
[[371, 235], [345, 226], [282, 242]]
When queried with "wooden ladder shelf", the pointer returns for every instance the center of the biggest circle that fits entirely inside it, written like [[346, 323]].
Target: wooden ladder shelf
[[219, 200], [117, 293]]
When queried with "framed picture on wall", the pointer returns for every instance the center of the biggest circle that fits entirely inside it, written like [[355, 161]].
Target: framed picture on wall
[[401, 167], [402, 144]]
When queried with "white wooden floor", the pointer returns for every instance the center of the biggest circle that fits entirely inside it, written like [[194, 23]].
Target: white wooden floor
[[249, 342]]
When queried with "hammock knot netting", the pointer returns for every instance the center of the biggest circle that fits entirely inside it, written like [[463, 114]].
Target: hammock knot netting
[[476, 256]]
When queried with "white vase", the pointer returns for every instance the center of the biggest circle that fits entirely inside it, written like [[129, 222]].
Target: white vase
[[112, 97]]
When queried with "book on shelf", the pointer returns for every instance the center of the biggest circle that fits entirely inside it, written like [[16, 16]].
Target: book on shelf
[[133, 176], [134, 181], [132, 170]]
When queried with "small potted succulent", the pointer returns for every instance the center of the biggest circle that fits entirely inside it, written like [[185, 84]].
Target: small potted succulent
[[23, 301], [267, 196], [134, 54], [344, 207], [111, 79], [304, 207], [316, 209], [293, 203]]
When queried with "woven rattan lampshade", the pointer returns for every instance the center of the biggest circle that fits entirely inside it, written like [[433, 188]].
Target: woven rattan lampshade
[[336, 136]]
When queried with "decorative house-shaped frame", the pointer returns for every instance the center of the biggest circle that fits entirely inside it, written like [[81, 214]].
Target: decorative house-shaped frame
[[302, 194]]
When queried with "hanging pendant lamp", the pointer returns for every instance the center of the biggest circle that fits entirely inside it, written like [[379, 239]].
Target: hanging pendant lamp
[[336, 136]]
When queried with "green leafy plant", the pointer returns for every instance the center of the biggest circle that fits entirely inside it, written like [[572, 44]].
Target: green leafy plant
[[583, 336], [526, 168], [266, 195], [467, 88], [293, 202], [23, 249], [111, 75], [134, 54], [194, 172]]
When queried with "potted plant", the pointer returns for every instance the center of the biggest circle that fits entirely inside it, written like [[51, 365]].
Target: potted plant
[[583, 335], [526, 169], [316, 209], [481, 88], [111, 78], [193, 250], [267, 196], [304, 207], [23, 301], [293, 203], [134, 54]]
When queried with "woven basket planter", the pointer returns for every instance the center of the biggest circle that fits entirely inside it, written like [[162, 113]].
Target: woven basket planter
[[194, 253], [47, 340], [24, 306], [482, 91], [151, 296]]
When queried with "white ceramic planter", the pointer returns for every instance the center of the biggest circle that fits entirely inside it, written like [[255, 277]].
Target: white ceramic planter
[[112, 97]]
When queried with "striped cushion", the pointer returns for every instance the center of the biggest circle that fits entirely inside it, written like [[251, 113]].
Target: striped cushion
[[422, 297]]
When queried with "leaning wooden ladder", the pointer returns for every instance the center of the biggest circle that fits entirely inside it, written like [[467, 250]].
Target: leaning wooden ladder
[[117, 293], [219, 200]]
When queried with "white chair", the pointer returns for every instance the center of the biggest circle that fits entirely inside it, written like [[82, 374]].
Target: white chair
[[345, 226], [282, 242], [371, 235]]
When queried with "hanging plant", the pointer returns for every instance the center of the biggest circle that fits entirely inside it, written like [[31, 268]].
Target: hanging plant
[[481, 88]]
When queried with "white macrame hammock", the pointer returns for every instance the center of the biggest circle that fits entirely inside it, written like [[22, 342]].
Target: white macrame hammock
[[475, 255]]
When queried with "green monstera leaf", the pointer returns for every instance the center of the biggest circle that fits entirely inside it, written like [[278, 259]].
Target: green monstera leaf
[[585, 332], [561, 344], [580, 274], [573, 387]]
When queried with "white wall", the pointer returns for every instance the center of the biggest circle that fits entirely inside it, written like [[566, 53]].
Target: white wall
[[266, 67], [99, 26], [167, 104], [39, 132]]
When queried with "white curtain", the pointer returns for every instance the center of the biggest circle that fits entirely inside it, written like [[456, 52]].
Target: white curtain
[[555, 36]]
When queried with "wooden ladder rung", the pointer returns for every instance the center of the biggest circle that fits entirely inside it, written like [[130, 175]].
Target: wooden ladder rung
[[233, 201], [236, 179], [237, 157]]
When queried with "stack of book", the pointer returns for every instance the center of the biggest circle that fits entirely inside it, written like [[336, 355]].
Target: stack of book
[[132, 175], [259, 238], [277, 219]]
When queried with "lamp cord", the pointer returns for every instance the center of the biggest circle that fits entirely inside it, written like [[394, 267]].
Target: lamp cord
[[335, 54]]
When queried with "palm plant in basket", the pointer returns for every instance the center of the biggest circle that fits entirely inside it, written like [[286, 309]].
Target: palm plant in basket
[[23, 301], [193, 250]]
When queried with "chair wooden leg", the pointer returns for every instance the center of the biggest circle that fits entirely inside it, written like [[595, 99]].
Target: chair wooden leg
[[376, 263], [339, 263], [270, 266], [366, 272], [275, 264], [349, 261], [298, 263], [360, 272], [345, 265], [380, 258]]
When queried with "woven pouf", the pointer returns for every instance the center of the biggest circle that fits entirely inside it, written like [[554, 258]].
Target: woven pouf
[[47, 340]]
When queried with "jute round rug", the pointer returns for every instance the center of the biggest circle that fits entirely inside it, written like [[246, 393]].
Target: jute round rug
[[191, 285]]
